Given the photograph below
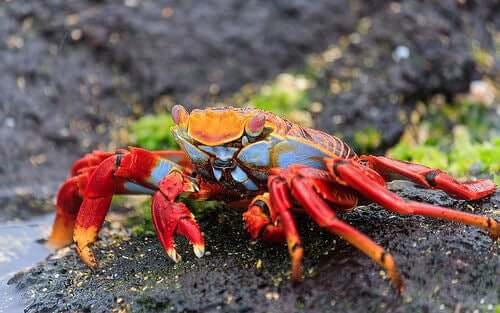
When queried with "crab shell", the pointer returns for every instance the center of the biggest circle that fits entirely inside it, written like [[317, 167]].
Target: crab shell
[[238, 147]]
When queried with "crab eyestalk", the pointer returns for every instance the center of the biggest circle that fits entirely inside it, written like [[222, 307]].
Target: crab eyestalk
[[255, 125], [180, 116]]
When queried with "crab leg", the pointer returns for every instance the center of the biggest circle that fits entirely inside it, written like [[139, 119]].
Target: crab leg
[[259, 224], [134, 171], [430, 178], [96, 157], [97, 198], [320, 212], [170, 218], [354, 176], [70, 195], [68, 202], [280, 226]]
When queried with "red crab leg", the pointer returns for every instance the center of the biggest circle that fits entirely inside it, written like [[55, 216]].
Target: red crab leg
[[259, 224], [89, 160], [96, 157], [353, 175], [110, 177], [68, 201], [70, 195], [431, 178], [280, 227], [316, 207], [282, 204], [97, 198], [170, 218]]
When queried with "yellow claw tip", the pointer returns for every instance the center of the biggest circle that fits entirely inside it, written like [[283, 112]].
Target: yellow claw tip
[[172, 253], [199, 250], [87, 256]]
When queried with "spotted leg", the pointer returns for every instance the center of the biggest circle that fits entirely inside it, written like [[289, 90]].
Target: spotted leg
[[354, 175], [279, 226], [313, 189], [430, 178]]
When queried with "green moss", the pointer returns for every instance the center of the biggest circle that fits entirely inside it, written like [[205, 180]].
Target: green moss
[[285, 94], [423, 154], [465, 158], [367, 140], [153, 132]]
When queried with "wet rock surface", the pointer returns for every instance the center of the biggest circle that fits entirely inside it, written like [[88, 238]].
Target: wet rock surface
[[446, 268]]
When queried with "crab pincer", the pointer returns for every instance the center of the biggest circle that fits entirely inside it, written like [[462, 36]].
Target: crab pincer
[[171, 218]]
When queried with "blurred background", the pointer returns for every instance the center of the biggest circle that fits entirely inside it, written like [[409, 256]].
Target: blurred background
[[416, 80]]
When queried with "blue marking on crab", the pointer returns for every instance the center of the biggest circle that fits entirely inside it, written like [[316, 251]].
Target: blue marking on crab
[[256, 154], [220, 152], [160, 171], [137, 189], [250, 185], [239, 175], [291, 151], [196, 156]]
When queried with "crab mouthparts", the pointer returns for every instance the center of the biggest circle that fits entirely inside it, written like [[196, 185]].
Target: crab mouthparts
[[223, 164]]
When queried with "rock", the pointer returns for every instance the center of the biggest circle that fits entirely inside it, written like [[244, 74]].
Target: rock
[[71, 68], [409, 52], [444, 266]]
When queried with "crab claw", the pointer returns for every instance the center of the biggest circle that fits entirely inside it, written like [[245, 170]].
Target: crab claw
[[170, 218]]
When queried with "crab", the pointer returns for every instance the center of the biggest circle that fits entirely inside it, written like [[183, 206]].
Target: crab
[[279, 170]]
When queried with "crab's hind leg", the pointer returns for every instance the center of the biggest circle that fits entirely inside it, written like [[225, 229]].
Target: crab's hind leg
[[311, 187], [358, 177], [430, 178]]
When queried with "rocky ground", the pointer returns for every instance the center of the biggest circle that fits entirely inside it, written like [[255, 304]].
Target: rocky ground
[[422, 49], [72, 69], [446, 268]]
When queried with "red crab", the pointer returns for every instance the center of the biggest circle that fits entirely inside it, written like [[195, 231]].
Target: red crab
[[234, 154]]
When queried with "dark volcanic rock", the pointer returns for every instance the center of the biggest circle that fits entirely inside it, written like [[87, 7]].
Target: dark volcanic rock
[[69, 68], [408, 52], [446, 267]]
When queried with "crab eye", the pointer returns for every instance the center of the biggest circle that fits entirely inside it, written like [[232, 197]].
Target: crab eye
[[180, 115], [255, 125]]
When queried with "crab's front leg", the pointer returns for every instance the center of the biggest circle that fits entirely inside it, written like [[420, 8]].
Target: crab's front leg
[[171, 218], [139, 169]]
